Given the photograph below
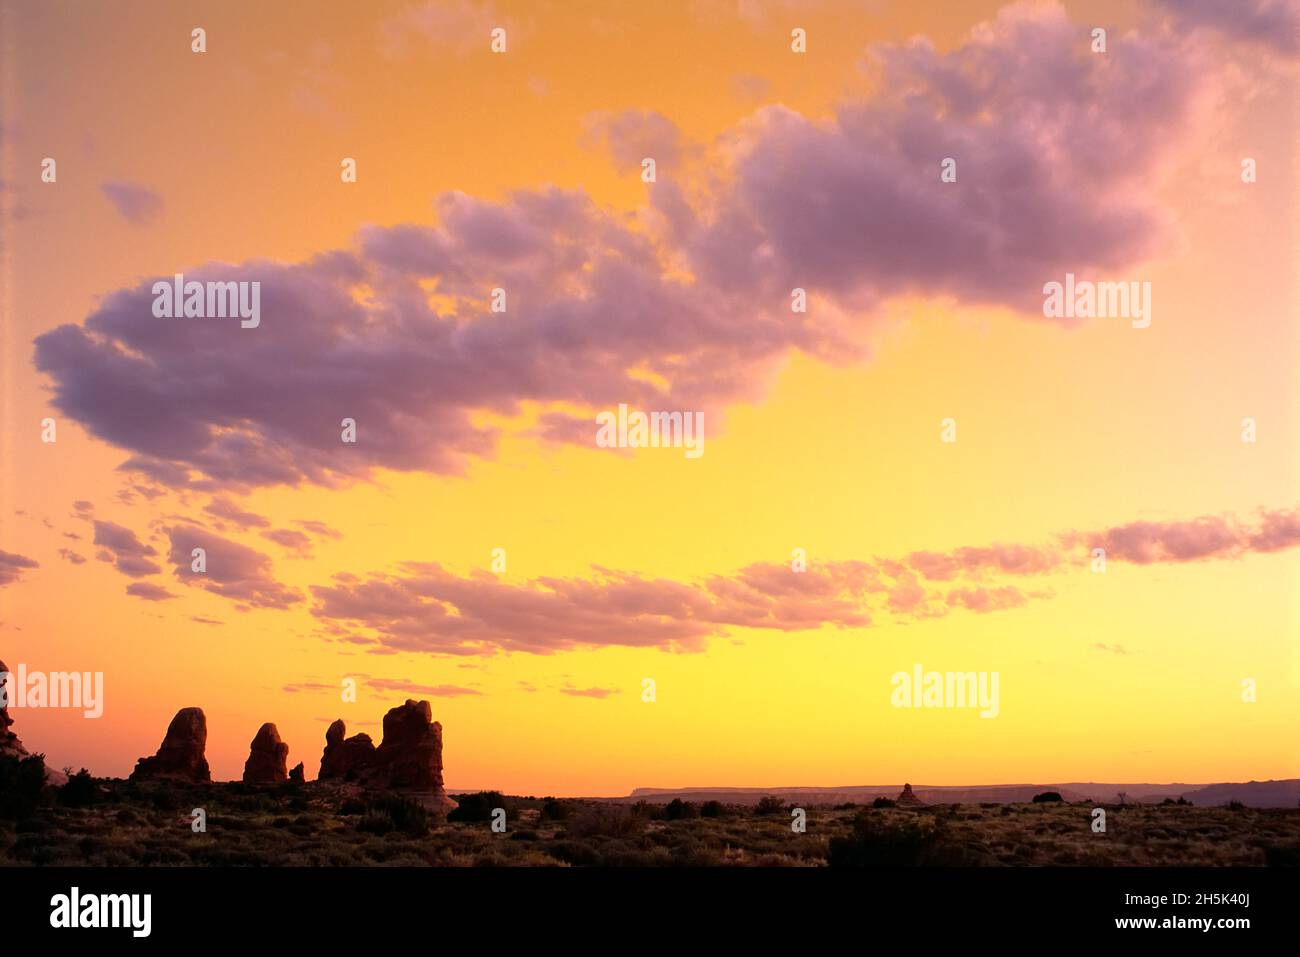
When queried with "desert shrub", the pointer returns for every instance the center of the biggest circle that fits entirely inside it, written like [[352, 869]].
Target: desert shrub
[[679, 810], [553, 810], [910, 843], [35, 825], [113, 857], [231, 823], [46, 850], [613, 820], [1182, 801], [165, 854], [712, 809], [769, 804], [373, 822], [846, 806], [1047, 797], [21, 782], [1235, 806], [471, 808], [164, 799], [695, 853], [80, 791], [651, 812], [1282, 855], [624, 854], [391, 812], [577, 853], [883, 802], [353, 806]]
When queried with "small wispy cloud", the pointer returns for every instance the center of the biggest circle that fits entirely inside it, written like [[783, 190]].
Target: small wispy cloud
[[136, 204]]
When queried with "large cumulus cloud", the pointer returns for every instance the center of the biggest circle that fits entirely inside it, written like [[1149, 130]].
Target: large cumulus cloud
[[684, 305], [1056, 151]]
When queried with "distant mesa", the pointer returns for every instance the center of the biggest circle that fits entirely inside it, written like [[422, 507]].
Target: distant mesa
[[907, 798], [268, 758], [408, 757], [12, 747], [181, 757]]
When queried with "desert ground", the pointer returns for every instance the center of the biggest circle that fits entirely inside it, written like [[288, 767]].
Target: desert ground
[[116, 823]]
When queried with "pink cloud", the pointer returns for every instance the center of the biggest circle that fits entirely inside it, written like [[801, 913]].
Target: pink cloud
[[233, 571], [684, 305], [13, 565], [424, 607], [136, 204]]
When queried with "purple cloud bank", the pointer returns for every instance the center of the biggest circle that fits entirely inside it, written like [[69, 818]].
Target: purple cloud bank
[[684, 306], [424, 607], [1270, 24]]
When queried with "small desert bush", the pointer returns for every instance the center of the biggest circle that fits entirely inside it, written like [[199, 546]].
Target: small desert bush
[[1282, 855], [1047, 797], [21, 782], [613, 820], [553, 810], [769, 804], [679, 810], [81, 790], [388, 812], [474, 808], [651, 812], [910, 843]]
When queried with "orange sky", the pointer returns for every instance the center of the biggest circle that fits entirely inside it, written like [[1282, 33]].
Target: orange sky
[[1135, 674]]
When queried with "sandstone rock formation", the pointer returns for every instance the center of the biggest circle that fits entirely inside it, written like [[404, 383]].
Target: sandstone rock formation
[[268, 757], [408, 757], [7, 737], [908, 799], [12, 747], [181, 755], [297, 774], [345, 759]]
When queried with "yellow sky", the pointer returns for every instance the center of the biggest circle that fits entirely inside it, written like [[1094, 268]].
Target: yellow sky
[[1059, 429]]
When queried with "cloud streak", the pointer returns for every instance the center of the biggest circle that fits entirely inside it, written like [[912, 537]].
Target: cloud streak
[[119, 546], [12, 566], [424, 607], [136, 204]]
